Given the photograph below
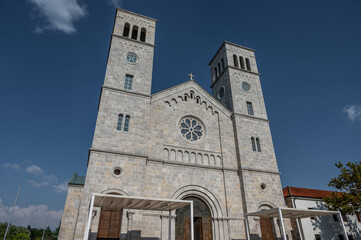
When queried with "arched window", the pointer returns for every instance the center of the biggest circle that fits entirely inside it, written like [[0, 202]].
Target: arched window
[[223, 64], [126, 123], [248, 64], [215, 72], [185, 98], [191, 95], [241, 60], [126, 30], [235, 60], [135, 32], [143, 31], [258, 145], [219, 68], [120, 121], [253, 144]]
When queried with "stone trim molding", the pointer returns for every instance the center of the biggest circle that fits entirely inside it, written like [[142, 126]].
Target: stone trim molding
[[125, 91], [132, 40], [190, 165], [257, 170], [114, 152], [250, 117]]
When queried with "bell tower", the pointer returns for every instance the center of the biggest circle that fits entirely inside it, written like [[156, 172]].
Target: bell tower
[[130, 59], [236, 84]]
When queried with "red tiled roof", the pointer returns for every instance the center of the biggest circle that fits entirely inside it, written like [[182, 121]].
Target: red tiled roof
[[305, 192]]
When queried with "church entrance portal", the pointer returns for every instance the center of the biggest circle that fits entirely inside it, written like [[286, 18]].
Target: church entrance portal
[[202, 220], [267, 229], [109, 224]]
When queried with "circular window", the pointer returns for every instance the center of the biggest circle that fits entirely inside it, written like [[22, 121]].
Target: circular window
[[263, 186], [131, 58], [191, 129], [246, 87], [116, 171], [221, 93]]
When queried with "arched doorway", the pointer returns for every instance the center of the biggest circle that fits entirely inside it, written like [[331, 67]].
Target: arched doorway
[[202, 221], [110, 220], [267, 226]]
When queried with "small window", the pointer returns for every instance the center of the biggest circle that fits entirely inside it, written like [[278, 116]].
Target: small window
[[223, 64], [120, 121], [248, 64], [341, 237], [258, 145], [221, 93], [128, 82], [253, 144], [358, 216], [142, 34], [317, 237], [135, 33], [219, 68], [335, 218], [216, 72], [250, 108], [126, 30], [126, 123], [235, 60], [241, 60]]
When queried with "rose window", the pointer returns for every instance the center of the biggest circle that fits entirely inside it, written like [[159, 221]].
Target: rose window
[[191, 129]]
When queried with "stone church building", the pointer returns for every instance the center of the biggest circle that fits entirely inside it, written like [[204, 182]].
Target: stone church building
[[181, 143]]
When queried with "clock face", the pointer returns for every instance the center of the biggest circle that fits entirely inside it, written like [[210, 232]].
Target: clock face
[[131, 58], [246, 87]]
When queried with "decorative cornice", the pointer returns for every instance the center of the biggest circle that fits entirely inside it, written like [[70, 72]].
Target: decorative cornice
[[136, 14]]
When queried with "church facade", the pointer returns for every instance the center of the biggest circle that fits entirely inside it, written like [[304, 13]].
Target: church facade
[[181, 143]]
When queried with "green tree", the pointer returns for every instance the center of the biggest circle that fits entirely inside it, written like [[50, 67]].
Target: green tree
[[347, 198]]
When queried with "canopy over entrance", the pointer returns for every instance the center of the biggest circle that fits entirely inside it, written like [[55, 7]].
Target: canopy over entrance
[[139, 203], [290, 213]]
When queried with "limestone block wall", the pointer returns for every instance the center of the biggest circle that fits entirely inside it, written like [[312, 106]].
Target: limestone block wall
[[106, 135], [70, 214], [264, 160], [240, 96]]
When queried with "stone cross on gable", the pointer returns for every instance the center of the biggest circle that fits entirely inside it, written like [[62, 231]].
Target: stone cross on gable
[[191, 76]]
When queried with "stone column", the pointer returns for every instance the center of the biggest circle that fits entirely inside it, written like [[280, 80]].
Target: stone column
[[130, 215]]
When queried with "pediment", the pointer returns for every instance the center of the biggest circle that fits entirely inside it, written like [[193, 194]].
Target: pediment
[[190, 91]]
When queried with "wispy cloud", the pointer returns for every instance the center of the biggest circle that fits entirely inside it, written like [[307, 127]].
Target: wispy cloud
[[12, 166], [35, 170], [60, 188], [115, 3], [58, 15], [353, 112], [40, 178], [33, 215]]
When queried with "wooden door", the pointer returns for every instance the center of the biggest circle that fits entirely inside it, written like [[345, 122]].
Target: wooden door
[[109, 224], [187, 228], [267, 229], [207, 228]]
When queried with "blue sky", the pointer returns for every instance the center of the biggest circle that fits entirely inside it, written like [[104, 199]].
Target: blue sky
[[52, 64]]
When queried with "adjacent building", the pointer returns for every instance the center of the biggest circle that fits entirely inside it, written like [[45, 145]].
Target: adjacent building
[[325, 227]]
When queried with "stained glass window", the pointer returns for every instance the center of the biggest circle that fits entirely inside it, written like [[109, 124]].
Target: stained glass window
[[191, 129]]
